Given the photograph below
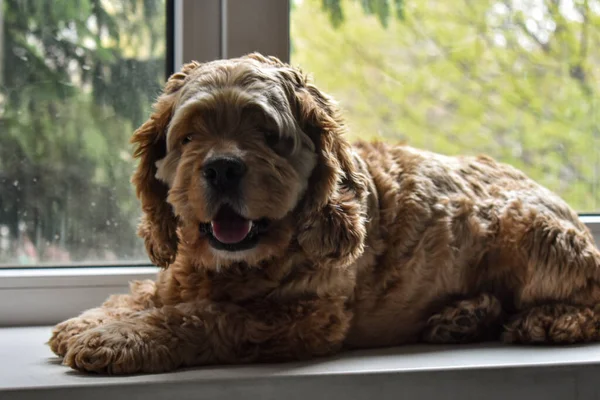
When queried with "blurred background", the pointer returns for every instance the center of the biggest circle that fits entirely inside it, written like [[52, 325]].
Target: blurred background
[[515, 79]]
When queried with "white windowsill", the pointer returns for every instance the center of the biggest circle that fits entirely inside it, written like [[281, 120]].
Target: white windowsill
[[28, 370], [46, 296]]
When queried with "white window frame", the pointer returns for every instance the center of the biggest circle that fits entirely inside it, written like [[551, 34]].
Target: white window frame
[[204, 30]]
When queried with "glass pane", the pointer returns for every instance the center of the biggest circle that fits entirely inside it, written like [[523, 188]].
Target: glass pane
[[515, 79], [76, 78]]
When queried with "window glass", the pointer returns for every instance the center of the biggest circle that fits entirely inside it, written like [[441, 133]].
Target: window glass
[[515, 79], [76, 78]]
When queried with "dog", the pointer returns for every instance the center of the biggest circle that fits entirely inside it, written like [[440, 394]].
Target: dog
[[281, 241]]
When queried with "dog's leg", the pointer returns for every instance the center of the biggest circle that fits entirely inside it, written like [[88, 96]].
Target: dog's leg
[[465, 321], [554, 324], [166, 338], [114, 308], [558, 295]]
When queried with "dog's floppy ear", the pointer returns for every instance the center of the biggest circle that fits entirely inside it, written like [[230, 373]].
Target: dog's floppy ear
[[333, 215], [158, 226]]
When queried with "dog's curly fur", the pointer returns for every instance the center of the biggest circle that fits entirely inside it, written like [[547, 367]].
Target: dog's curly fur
[[368, 245]]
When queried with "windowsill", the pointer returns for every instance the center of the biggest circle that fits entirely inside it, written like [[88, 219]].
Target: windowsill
[[28, 370]]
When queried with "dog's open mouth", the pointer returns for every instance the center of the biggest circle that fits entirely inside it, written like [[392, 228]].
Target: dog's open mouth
[[232, 232]]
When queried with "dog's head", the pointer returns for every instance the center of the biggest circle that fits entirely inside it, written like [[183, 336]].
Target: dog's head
[[242, 160]]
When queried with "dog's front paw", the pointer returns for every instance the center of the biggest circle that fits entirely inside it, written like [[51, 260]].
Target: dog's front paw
[[123, 348], [63, 332]]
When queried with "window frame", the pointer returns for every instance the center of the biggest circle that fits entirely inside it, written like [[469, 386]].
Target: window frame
[[197, 30]]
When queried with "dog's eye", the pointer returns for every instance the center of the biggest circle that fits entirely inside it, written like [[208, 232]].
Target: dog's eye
[[272, 138], [187, 139]]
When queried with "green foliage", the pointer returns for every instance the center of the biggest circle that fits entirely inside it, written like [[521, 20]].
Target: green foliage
[[334, 8], [518, 80], [78, 77], [383, 9]]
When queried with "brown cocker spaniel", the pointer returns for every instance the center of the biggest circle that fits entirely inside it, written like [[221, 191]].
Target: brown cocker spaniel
[[281, 241]]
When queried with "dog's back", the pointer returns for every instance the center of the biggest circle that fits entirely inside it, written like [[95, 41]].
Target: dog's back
[[450, 229]]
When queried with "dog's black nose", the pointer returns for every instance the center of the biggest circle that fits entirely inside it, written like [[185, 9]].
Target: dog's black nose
[[224, 173]]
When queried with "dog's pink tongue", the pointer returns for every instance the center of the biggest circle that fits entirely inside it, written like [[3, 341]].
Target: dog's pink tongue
[[229, 227]]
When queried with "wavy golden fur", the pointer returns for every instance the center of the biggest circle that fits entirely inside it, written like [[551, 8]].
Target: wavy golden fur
[[351, 246]]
